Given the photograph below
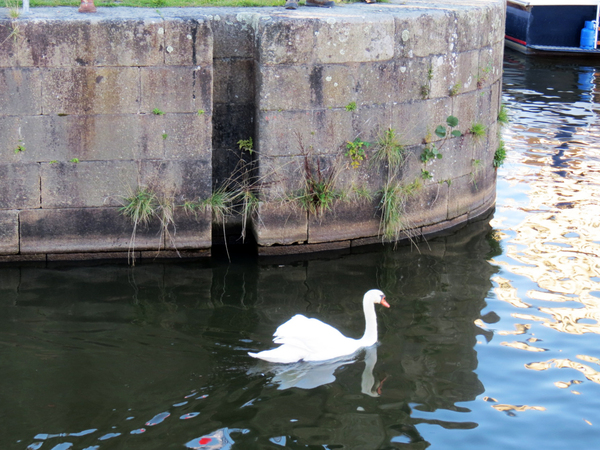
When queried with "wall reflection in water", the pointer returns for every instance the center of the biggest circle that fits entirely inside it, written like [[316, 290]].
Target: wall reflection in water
[[155, 356]]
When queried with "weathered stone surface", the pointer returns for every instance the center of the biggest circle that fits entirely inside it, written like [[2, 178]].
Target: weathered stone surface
[[176, 89], [376, 84], [180, 179], [9, 48], [188, 42], [87, 183], [233, 32], [9, 232], [345, 220], [301, 84], [235, 81], [285, 41], [456, 161], [428, 205], [191, 231], [280, 223], [91, 90], [20, 91], [321, 131], [91, 41], [20, 186], [289, 88], [82, 230], [424, 33], [347, 39], [92, 137], [185, 136]]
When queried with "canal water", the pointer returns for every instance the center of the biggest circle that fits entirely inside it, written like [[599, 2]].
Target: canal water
[[492, 339]]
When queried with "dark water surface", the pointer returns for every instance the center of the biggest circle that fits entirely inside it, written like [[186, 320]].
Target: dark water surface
[[491, 342]]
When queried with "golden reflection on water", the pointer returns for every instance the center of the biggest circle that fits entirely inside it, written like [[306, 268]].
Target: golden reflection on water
[[551, 259]]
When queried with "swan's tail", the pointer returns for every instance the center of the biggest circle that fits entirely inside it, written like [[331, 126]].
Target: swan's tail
[[283, 354]]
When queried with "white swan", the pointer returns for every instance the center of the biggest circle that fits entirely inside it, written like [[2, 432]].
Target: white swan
[[304, 339]]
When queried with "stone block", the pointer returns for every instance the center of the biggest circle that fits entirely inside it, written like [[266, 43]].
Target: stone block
[[75, 230], [234, 82], [377, 83], [369, 123], [234, 34], [428, 205], [456, 161], [87, 183], [465, 107], [191, 230], [289, 88], [287, 41], [20, 186], [347, 39], [90, 137], [411, 77], [180, 180], [467, 193], [20, 91], [467, 70], [95, 42], [9, 232], [176, 89], [10, 127], [345, 220], [91, 90], [471, 29], [9, 48], [188, 42], [411, 122], [279, 223], [424, 33], [188, 136], [278, 132], [335, 85]]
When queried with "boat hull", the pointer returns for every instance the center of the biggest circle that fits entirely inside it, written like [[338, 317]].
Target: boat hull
[[548, 28]]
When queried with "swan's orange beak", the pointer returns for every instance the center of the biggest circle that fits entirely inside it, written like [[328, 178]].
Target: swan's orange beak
[[384, 302]]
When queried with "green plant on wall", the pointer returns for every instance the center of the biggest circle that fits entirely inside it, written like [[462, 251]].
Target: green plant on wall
[[246, 145], [499, 155], [351, 106], [477, 130], [455, 89], [503, 118], [356, 152], [394, 196], [318, 192], [431, 151], [19, 149], [157, 112], [390, 152], [482, 74]]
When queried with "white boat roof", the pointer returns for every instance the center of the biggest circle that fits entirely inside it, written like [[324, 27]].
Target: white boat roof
[[555, 2]]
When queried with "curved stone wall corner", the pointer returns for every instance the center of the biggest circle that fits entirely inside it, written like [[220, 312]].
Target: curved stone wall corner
[[325, 79]]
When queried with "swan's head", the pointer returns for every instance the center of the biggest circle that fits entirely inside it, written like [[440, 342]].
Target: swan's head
[[376, 296]]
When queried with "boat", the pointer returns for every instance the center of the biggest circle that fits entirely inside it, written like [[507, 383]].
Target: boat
[[553, 26]]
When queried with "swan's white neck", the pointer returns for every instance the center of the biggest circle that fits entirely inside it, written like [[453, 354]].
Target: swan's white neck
[[370, 336]]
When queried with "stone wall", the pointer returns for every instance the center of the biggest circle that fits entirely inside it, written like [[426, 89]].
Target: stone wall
[[93, 107]]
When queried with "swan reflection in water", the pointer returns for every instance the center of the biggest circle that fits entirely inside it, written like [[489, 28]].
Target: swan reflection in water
[[309, 375]]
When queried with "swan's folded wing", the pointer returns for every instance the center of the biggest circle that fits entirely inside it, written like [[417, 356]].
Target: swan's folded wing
[[311, 334]]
